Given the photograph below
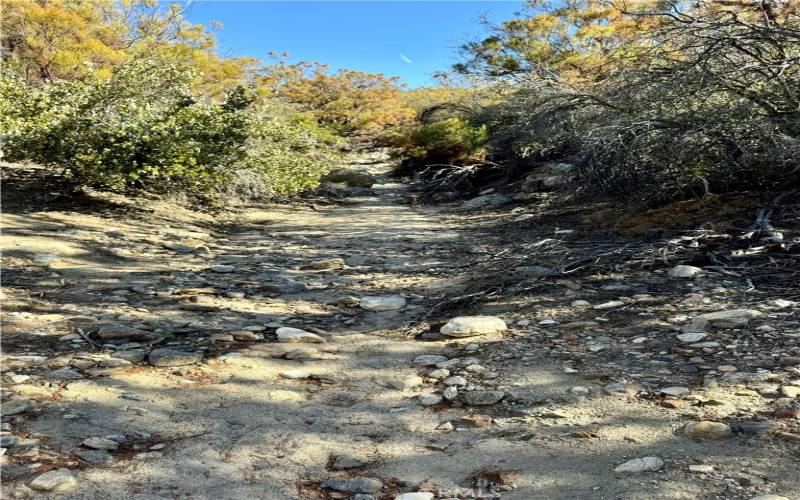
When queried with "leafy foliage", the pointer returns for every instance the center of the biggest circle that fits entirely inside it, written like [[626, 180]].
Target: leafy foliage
[[673, 100], [447, 140], [145, 127], [128, 94], [350, 102]]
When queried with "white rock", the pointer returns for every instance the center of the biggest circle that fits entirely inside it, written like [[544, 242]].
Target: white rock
[[429, 399], [295, 374], [457, 380], [296, 335], [733, 318], [692, 337], [609, 305], [580, 303], [644, 464], [467, 326], [383, 303], [701, 469], [781, 303], [769, 497], [548, 322], [439, 373], [57, 480], [682, 271], [674, 391], [450, 393]]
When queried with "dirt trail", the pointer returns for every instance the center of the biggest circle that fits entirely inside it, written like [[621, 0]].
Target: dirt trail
[[248, 423]]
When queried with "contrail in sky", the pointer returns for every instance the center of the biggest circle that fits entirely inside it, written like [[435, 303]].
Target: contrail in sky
[[406, 59]]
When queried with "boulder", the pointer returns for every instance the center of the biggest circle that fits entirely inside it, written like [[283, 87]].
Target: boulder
[[468, 326]]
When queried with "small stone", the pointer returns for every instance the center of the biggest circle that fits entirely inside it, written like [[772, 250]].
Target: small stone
[[429, 399], [483, 398], [675, 391], [16, 406], [99, 443], [96, 457], [457, 381], [132, 356], [166, 357], [450, 393], [57, 480], [114, 363], [692, 337], [429, 359], [683, 271], [355, 485], [303, 353], [790, 391], [783, 413], [769, 497], [622, 388], [383, 303], [468, 326], [439, 373], [726, 368], [701, 469], [295, 374], [222, 268], [580, 303], [295, 335], [609, 305], [707, 430], [445, 426], [637, 465], [246, 335], [734, 318]]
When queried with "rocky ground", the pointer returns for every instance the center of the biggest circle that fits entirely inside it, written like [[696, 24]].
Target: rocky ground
[[370, 349]]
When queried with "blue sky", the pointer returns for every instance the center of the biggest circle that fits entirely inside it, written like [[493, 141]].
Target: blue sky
[[409, 39]]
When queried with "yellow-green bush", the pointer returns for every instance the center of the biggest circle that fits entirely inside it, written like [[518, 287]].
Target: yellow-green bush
[[446, 141]]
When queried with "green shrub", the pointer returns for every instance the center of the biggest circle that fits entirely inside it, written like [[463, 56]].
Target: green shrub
[[146, 128], [446, 141]]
